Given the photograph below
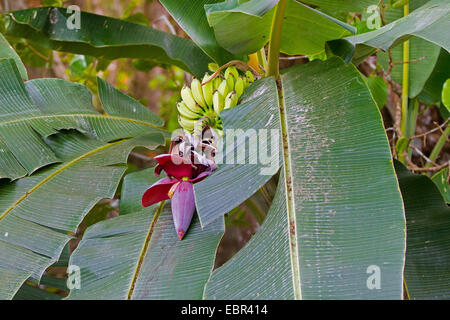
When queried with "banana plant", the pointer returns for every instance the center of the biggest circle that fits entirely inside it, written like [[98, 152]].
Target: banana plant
[[344, 223]]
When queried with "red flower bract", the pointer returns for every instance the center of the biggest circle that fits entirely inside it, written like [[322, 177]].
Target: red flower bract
[[178, 186]]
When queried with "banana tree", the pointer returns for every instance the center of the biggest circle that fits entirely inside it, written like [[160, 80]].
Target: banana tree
[[342, 223]]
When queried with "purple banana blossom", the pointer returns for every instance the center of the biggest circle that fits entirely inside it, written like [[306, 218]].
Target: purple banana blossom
[[178, 186]]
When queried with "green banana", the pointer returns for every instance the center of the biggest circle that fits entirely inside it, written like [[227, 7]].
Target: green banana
[[223, 88], [186, 95], [197, 92], [207, 101], [231, 100], [218, 102], [232, 70], [249, 76], [239, 87], [229, 78], [187, 124], [184, 111], [216, 82], [213, 67], [207, 90]]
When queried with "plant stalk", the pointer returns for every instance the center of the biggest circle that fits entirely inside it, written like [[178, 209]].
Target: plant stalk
[[273, 68], [438, 147], [412, 119], [405, 86]]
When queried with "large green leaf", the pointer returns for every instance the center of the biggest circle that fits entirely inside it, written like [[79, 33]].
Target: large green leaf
[[7, 52], [138, 255], [41, 107], [36, 212], [427, 22], [252, 124], [244, 28], [105, 37], [427, 266], [191, 16], [338, 213]]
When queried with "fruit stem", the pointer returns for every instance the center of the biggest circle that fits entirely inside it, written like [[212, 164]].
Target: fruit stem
[[273, 68]]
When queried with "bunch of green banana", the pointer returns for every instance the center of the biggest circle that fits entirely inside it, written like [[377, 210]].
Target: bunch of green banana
[[203, 101]]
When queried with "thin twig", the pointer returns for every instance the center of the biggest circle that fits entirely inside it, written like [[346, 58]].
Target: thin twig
[[422, 155], [430, 169], [431, 131], [413, 60]]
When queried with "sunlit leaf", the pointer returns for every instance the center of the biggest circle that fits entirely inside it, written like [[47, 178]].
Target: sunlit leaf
[[105, 37], [340, 199]]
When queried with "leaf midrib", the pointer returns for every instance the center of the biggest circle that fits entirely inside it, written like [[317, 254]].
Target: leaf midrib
[[144, 249], [290, 203], [56, 172], [106, 116]]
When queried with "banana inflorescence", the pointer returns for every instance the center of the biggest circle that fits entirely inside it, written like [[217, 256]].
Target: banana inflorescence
[[204, 100]]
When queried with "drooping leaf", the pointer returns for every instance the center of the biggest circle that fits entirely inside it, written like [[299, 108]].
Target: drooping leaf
[[243, 28], [427, 266], [191, 16], [432, 89], [7, 52], [305, 30], [427, 22], [337, 7], [338, 213], [139, 256], [41, 107], [249, 155], [37, 212], [440, 179], [105, 37]]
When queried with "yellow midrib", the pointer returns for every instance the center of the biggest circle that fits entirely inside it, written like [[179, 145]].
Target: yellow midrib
[[144, 249], [91, 115], [56, 172]]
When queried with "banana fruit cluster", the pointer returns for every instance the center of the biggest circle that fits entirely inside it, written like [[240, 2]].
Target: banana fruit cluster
[[204, 100]]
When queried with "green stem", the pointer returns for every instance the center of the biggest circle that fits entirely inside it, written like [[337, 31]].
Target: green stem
[[412, 119], [275, 41], [438, 147], [405, 85], [262, 58]]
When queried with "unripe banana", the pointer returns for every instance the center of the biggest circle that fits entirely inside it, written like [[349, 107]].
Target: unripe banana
[[232, 70], [202, 104], [223, 88], [213, 66], [188, 99], [216, 82], [218, 102], [230, 81], [186, 112], [231, 100], [207, 90], [250, 76], [239, 87], [187, 124], [197, 92]]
